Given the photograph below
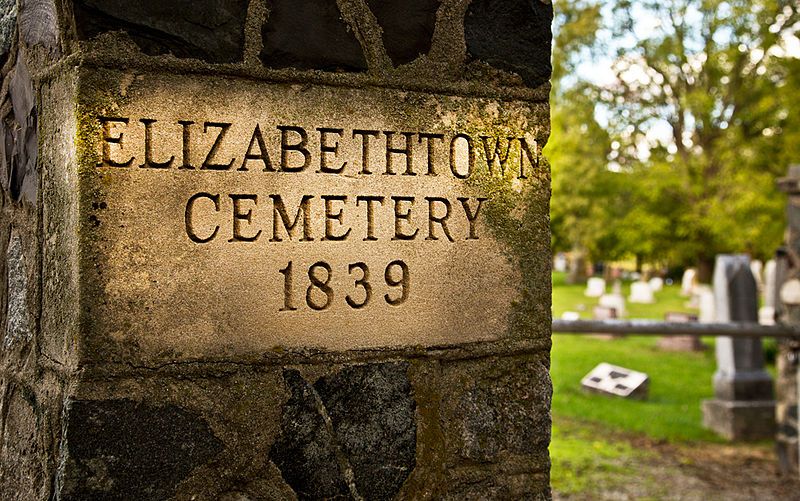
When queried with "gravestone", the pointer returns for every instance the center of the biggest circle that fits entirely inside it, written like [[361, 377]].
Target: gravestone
[[605, 312], [641, 293], [617, 381], [595, 287], [688, 282], [275, 250], [680, 343], [757, 267], [766, 314], [743, 406], [656, 284], [615, 301], [706, 304], [560, 263]]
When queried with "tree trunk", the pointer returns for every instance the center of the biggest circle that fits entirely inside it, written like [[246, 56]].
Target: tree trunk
[[705, 269], [577, 268]]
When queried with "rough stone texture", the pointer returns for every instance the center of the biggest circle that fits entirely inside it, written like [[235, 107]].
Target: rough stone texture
[[38, 23], [8, 25], [18, 129], [210, 30], [498, 410], [94, 413], [18, 327], [353, 432], [740, 420], [372, 411], [306, 451], [309, 35], [407, 27], [512, 35], [126, 449]]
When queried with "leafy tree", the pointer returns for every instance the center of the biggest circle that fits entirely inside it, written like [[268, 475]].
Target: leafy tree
[[714, 78]]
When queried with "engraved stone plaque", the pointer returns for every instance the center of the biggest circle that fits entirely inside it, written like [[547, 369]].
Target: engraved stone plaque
[[223, 215]]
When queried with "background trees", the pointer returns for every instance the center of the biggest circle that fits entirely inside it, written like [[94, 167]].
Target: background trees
[[668, 145]]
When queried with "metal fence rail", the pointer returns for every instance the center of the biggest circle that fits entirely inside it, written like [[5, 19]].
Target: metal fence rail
[[656, 328]]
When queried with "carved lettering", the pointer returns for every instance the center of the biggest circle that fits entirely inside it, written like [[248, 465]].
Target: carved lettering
[[189, 218], [239, 216], [108, 140], [472, 217], [497, 153], [365, 135], [440, 220], [279, 211], [407, 151], [257, 140], [370, 213], [148, 147], [431, 149], [454, 156], [331, 216], [299, 147], [209, 163], [402, 217], [325, 149], [186, 149]]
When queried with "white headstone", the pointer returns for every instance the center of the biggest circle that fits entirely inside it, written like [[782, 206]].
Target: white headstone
[[757, 267], [595, 287], [570, 315], [656, 283], [560, 262], [770, 285], [705, 301], [641, 293], [615, 380], [688, 282], [616, 301]]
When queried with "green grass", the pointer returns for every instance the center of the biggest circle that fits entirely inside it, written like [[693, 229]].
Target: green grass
[[591, 448], [584, 461], [679, 381]]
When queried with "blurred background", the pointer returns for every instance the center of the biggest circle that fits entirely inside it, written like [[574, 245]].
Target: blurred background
[[672, 122]]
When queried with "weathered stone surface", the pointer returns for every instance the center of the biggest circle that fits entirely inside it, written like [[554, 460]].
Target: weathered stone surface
[[372, 412], [351, 433], [18, 327], [407, 27], [309, 35], [38, 23], [210, 30], [8, 24], [424, 285], [306, 452], [122, 449], [501, 409], [512, 35], [18, 129]]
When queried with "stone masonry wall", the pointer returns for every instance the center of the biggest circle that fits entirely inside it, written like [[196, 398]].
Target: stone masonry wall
[[461, 421]]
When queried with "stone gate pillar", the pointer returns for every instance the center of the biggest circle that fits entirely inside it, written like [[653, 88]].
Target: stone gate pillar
[[268, 249]]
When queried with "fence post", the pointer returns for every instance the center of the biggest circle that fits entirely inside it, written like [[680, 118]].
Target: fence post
[[743, 407], [788, 313]]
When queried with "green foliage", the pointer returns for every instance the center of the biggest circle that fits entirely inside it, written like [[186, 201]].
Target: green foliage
[[713, 77]]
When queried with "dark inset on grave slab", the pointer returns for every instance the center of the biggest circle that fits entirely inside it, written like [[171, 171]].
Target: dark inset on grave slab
[[211, 30], [121, 449], [407, 27], [512, 35], [358, 423], [309, 35]]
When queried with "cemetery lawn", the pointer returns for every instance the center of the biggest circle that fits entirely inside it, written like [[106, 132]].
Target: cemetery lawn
[[598, 441]]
